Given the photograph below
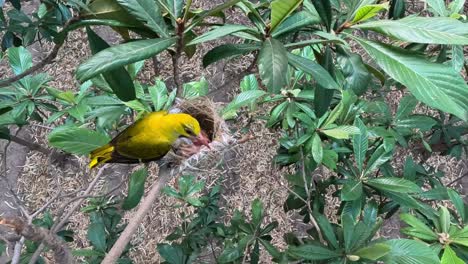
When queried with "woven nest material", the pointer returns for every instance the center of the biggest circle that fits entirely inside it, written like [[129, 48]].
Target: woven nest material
[[206, 113]]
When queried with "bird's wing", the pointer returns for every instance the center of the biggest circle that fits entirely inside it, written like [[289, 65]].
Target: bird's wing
[[143, 140], [126, 134]]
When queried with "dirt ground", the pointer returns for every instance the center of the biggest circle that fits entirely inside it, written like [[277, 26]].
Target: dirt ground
[[246, 169]]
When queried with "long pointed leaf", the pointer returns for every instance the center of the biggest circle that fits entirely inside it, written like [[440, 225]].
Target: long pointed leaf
[[281, 9], [273, 65], [436, 85], [440, 30], [360, 143], [147, 12], [116, 56], [119, 80]]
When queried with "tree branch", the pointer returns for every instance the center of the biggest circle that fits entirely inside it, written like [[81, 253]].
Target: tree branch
[[130, 229], [61, 221], [61, 251], [54, 156], [176, 55], [165, 174], [48, 60]]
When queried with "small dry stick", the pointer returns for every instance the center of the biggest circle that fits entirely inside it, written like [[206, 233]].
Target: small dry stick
[[59, 224]]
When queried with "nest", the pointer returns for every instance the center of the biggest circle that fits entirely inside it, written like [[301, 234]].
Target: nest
[[205, 111]]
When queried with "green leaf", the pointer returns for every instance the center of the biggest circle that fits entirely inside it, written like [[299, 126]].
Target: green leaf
[[249, 83], [4, 133], [397, 9], [360, 144], [409, 251], [311, 252], [356, 74], [379, 157], [458, 58], [320, 75], [421, 122], [276, 113], [444, 219], [257, 212], [230, 254], [430, 30], [20, 59], [147, 11], [158, 94], [243, 99], [173, 254], [215, 10], [136, 189], [330, 158], [120, 55], [220, 32], [317, 148], [457, 201], [348, 227], [456, 6], [434, 84], [373, 252], [175, 7], [119, 80], [352, 190], [323, 8], [227, 51], [322, 96], [450, 257], [76, 140], [97, 236], [418, 228], [406, 106], [341, 132], [393, 184], [280, 10], [368, 11], [273, 65], [195, 89], [327, 229], [295, 22], [438, 6]]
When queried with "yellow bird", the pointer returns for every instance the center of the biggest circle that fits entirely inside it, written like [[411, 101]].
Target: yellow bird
[[148, 139]]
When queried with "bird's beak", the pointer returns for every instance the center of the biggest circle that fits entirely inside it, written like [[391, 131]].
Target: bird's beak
[[201, 139]]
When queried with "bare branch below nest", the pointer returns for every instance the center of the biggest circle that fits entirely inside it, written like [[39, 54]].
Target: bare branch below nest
[[62, 219], [165, 174], [61, 251]]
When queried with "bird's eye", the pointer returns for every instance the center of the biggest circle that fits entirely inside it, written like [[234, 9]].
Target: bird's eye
[[188, 130]]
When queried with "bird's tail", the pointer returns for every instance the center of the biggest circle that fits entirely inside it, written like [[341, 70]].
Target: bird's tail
[[100, 155]]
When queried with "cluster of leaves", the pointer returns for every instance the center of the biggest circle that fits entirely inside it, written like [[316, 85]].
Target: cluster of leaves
[[328, 104], [204, 228]]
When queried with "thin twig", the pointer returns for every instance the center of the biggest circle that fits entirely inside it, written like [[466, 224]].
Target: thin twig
[[17, 251], [30, 145], [176, 55], [47, 204], [309, 209], [49, 59], [63, 220]]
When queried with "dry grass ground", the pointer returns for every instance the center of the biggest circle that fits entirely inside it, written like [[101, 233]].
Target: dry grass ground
[[246, 170]]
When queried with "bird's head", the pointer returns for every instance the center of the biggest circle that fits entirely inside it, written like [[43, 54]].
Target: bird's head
[[190, 128]]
